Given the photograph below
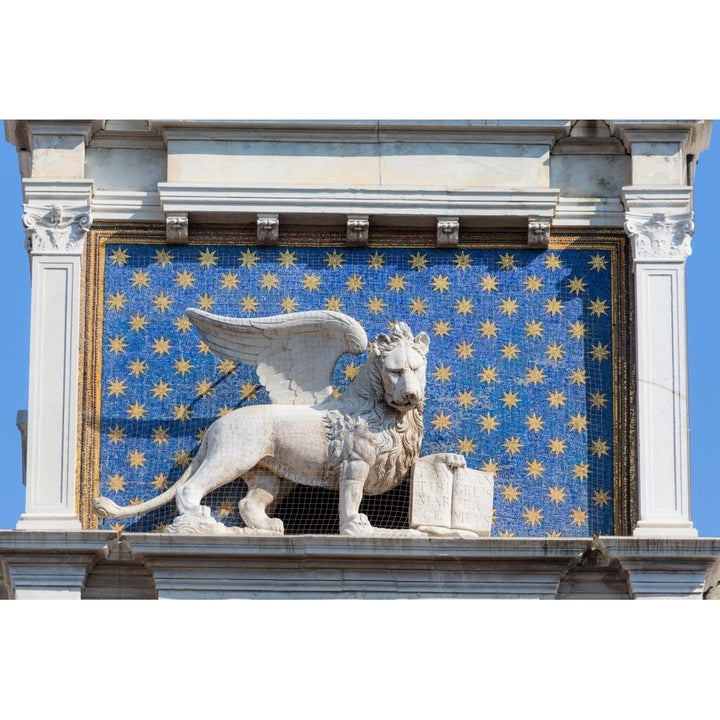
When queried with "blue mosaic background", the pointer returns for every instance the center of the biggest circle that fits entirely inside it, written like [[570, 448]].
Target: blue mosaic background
[[519, 370]]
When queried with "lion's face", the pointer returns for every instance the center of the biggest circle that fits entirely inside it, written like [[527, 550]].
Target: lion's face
[[403, 369]]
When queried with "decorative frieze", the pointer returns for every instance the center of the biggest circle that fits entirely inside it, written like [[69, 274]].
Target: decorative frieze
[[660, 237], [448, 231], [358, 229], [538, 233], [268, 229], [55, 230]]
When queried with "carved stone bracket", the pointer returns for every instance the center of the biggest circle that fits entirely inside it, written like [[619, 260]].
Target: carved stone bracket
[[448, 231], [268, 228], [177, 227], [660, 237], [358, 229], [55, 231], [538, 233]]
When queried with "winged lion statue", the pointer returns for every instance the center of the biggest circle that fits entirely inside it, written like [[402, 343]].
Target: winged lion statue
[[363, 442]]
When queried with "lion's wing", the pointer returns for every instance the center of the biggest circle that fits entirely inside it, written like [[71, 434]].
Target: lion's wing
[[294, 354]]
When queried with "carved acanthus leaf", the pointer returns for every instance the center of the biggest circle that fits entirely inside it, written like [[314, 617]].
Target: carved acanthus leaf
[[660, 237], [53, 231]]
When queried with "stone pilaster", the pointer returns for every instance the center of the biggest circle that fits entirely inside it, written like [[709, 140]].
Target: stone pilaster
[[57, 219], [660, 245]]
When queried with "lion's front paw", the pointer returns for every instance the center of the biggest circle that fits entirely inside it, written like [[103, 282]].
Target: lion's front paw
[[357, 524]]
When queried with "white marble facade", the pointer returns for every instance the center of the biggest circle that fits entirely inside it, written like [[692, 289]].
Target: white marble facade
[[540, 175]]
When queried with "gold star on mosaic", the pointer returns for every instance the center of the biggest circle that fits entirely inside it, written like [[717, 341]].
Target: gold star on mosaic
[[203, 388], [269, 281], [137, 367], [418, 261], [376, 261], [597, 262], [601, 498], [160, 435], [334, 260], [289, 304], [160, 390], [161, 346], [226, 508], [578, 377], [556, 398], [576, 285], [117, 302], [555, 351], [442, 373], [116, 387], [162, 302], [159, 528], [598, 307], [599, 352], [578, 330], [182, 366], [556, 494], [535, 422], [510, 399], [464, 350], [116, 435], [249, 258], [533, 329], [355, 283], [557, 446], [466, 446], [140, 279], [136, 459], [163, 258], [119, 256], [507, 261], [488, 329], [490, 466], [249, 304], [225, 367], [534, 468], [249, 391], [553, 306], [200, 434], [441, 328], [203, 348], [135, 501], [229, 280], [136, 410], [578, 517], [138, 322], [351, 370], [533, 516], [598, 400], [117, 527], [463, 306], [489, 423], [183, 324], [441, 421], [599, 448], [535, 376], [533, 284], [224, 410], [376, 305], [160, 481], [182, 458], [509, 306], [511, 493], [488, 375], [185, 279], [506, 533], [463, 261], [397, 282], [440, 283], [513, 445], [553, 533], [489, 283], [466, 399], [311, 282], [286, 259], [581, 471], [206, 302], [182, 412], [578, 423], [117, 345], [552, 261], [116, 482], [418, 306]]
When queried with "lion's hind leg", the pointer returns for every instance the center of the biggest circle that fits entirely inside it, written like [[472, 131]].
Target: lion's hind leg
[[264, 488]]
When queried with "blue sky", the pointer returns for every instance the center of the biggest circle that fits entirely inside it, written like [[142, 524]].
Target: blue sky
[[703, 341]]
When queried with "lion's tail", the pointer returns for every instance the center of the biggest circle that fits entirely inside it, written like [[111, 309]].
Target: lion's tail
[[105, 507]]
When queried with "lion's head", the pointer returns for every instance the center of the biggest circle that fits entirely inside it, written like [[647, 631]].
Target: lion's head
[[402, 369]]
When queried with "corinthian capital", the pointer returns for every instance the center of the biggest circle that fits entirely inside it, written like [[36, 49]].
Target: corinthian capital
[[659, 237], [55, 230]]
